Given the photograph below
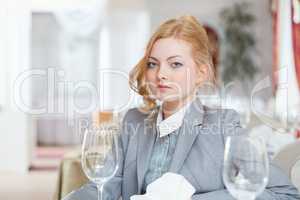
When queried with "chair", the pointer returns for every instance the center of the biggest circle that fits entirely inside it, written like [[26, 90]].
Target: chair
[[288, 159], [70, 175]]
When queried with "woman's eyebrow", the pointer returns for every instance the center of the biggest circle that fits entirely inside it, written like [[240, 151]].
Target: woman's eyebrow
[[153, 58], [173, 57], [167, 58]]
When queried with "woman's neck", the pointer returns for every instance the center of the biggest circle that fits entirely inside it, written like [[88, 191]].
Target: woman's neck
[[171, 107]]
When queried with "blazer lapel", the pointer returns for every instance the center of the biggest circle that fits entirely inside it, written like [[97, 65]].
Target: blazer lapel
[[145, 145], [187, 135]]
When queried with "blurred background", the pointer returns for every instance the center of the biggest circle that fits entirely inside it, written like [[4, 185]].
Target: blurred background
[[64, 67]]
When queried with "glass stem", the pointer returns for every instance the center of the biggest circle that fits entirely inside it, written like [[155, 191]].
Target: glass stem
[[100, 191]]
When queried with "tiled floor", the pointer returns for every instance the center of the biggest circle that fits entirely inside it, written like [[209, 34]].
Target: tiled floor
[[36, 185]]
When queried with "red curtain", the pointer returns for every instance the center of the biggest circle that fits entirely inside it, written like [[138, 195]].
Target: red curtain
[[296, 42], [296, 45]]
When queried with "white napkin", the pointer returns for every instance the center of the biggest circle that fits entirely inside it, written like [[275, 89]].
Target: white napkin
[[169, 186]]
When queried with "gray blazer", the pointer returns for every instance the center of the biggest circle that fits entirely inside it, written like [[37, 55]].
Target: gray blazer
[[198, 157]]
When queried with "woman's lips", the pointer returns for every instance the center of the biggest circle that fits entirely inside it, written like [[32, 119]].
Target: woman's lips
[[163, 86]]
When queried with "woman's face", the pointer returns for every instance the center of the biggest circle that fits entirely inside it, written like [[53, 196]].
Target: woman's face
[[171, 72]]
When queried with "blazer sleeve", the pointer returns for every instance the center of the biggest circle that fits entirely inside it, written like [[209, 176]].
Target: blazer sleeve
[[112, 189], [279, 186]]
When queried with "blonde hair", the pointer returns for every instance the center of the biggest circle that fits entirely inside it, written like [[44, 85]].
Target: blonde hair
[[185, 28]]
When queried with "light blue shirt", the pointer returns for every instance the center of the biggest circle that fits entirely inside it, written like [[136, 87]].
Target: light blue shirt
[[161, 157], [164, 145]]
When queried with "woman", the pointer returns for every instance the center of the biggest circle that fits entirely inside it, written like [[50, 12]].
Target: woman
[[174, 132]]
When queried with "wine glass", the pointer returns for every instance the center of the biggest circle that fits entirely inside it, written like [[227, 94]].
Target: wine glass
[[243, 108], [246, 167], [292, 121], [100, 156]]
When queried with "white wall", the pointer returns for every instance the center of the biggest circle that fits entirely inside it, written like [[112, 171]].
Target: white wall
[[15, 126], [3, 35], [128, 34], [123, 38]]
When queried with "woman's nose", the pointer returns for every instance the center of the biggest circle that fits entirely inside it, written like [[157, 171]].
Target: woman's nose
[[162, 73]]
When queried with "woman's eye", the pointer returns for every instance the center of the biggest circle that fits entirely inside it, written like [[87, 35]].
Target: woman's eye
[[176, 64], [151, 64]]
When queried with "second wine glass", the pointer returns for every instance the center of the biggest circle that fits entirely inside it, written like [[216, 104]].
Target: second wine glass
[[246, 167]]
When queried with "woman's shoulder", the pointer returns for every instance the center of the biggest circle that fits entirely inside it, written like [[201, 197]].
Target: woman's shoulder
[[223, 114], [135, 115], [133, 120], [225, 121]]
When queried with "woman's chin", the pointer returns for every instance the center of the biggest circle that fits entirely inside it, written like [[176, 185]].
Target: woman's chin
[[167, 98]]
